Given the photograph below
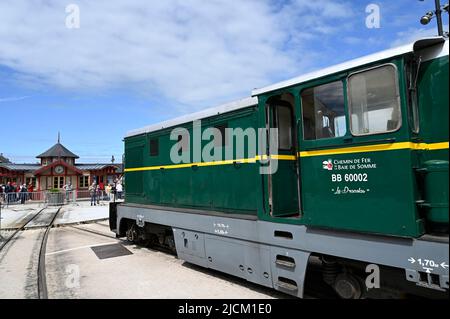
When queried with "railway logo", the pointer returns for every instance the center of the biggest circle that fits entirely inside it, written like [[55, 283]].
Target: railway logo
[[328, 165]]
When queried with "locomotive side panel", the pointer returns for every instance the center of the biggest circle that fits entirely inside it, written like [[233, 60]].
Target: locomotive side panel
[[155, 178]]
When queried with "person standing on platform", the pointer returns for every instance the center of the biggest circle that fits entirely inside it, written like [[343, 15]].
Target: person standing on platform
[[119, 190], [99, 192], [23, 194], [68, 189], [30, 190], [93, 193], [108, 191]]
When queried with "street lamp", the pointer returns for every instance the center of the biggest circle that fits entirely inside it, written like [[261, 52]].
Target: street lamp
[[438, 13], [427, 18]]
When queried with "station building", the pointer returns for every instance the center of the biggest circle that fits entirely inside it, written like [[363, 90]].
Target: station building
[[56, 167]]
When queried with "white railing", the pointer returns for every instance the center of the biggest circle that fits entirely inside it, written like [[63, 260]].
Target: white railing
[[64, 197], [23, 197]]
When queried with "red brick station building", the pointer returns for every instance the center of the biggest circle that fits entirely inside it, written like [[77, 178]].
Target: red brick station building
[[56, 168]]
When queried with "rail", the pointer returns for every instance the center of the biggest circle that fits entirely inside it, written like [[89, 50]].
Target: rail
[[41, 274], [42, 277]]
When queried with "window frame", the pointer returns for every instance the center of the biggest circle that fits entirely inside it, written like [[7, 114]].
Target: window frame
[[59, 181], [397, 87], [344, 83], [83, 181], [412, 98], [292, 132], [273, 113]]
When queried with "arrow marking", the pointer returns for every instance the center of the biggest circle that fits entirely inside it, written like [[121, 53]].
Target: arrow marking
[[428, 270]]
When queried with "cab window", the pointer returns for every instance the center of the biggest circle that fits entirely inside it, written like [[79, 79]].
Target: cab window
[[374, 101], [284, 124], [324, 111]]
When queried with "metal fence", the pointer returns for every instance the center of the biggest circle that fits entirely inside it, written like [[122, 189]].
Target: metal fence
[[57, 198]]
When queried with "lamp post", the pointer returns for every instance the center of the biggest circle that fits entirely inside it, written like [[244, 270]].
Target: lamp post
[[438, 13], [439, 17]]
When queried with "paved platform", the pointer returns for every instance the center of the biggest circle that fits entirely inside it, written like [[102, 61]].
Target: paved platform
[[15, 215], [87, 261], [82, 212]]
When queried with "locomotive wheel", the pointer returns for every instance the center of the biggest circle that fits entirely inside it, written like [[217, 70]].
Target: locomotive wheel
[[131, 233], [347, 287]]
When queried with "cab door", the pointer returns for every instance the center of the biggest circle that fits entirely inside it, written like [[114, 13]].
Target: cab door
[[284, 182], [356, 154]]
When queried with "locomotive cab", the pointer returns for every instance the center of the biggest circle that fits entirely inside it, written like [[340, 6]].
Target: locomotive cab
[[370, 141]]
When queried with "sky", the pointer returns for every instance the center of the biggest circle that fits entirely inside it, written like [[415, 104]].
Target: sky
[[99, 69]]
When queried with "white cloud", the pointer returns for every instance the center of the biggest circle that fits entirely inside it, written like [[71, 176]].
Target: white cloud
[[413, 34], [187, 51], [13, 98]]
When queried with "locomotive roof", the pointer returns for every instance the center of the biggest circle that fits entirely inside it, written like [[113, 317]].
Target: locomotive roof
[[386, 54], [225, 108]]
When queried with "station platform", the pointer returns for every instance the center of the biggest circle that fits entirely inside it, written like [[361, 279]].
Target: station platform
[[81, 212]]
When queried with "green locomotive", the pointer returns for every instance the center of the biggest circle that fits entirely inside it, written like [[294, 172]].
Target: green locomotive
[[344, 169]]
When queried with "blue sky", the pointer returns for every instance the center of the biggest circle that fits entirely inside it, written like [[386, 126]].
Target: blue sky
[[133, 63]]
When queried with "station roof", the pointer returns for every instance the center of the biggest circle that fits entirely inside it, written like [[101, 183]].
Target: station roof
[[94, 167], [57, 150], [35, 167], [20, 167], [3, 159]]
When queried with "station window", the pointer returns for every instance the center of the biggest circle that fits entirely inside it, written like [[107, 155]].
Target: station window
[[84, 181], [154, 147], [31, 180], [58, 182], [324, 111], [374, 101]]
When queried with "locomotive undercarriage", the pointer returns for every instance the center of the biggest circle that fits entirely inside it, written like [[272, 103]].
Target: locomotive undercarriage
[[151, 235], [339, 277]]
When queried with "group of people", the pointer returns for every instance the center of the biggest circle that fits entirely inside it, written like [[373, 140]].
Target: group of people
[[11, 193], [108, 192]]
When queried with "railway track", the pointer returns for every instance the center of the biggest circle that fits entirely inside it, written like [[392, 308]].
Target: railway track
[[16, 230], [108, 235], [42, 220]]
